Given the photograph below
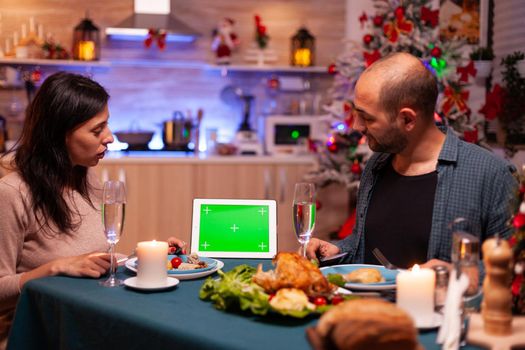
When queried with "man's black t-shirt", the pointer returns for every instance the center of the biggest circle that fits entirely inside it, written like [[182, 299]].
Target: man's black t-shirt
[[399, 217]]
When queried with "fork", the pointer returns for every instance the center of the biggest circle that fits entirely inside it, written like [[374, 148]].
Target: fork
[[383, 260]]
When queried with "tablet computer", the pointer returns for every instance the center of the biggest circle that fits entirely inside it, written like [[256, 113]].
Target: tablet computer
[[234, 228]]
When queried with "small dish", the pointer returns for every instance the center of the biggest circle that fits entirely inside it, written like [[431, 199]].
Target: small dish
[[388, 275], [131, 265], [436, 322], [132, 282]]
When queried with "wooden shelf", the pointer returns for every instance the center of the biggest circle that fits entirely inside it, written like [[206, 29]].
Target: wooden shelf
[[149, 63], [267, 68], [61, 63]]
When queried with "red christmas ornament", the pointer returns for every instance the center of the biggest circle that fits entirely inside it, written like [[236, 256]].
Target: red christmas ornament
[[367, 39], [378, 21], [332, 69], [36, 75], [363, 18], [518, 221], [356, 168], [470, 135], [436, 52], [273, 83], [371, 57], [399, 12]]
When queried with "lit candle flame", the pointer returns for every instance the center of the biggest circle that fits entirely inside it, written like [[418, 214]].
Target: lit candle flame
[[415, 268]]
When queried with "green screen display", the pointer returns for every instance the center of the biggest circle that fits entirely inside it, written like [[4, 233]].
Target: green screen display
[[234, 228]]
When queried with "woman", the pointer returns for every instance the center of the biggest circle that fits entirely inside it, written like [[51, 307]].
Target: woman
[[50, 222]]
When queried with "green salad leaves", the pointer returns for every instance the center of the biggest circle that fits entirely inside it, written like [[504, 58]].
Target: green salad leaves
[[236, 289]]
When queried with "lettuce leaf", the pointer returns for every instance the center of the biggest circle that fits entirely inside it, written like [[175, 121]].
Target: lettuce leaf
[[235, 289]]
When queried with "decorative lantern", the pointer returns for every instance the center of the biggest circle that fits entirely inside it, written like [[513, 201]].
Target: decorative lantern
[[86, 41], [303, 49]]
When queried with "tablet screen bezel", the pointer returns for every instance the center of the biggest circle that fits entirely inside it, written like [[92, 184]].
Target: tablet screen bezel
[[272, 228]]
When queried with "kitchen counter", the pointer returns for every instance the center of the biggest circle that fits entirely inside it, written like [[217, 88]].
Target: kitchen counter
[[146, 157]]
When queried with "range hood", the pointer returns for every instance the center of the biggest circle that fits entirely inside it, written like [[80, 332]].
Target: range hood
[[151, 14]]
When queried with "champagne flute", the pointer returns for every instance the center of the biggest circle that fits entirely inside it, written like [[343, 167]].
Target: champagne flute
[[304, 213], [113, 212]]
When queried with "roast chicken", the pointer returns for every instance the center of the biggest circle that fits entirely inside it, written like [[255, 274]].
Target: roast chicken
[[293, 271]]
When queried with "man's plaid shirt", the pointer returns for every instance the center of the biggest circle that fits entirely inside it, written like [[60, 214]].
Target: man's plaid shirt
[[472, 183]]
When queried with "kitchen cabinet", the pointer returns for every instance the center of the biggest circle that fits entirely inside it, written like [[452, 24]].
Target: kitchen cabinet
[[161, 191], [159, 200]]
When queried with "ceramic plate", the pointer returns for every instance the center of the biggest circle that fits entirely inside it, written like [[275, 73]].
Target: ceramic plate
[[211, 264], [388, 275], [436, 322], [189, 274], [133, 283]]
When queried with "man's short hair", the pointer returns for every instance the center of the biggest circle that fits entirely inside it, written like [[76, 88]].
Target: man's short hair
[[406, 82]]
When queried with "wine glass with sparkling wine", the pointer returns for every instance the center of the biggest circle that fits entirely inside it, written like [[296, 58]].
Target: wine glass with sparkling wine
[[113, 212], [304, 213]]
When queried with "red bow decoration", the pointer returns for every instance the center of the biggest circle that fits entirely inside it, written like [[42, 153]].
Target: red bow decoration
[[430, 17], [363, 18], [471, 135], [393, 28], [464, 72], [156, 35], [493, 103], [455, 97], [371, 57]]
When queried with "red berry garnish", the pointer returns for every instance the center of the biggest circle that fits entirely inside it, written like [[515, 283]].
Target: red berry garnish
[[320, 301], [175, 262], [337, 299]]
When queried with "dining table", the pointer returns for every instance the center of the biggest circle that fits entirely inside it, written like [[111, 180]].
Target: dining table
[[77, 313]]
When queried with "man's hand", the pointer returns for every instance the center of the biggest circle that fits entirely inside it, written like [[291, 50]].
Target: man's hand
[[434, 262], [318, 248]]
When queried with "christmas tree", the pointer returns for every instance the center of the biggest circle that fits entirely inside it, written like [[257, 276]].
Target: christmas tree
[[408, 26], [517, 243]]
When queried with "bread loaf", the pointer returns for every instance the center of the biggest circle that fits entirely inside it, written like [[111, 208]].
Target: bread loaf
[[364, 324]]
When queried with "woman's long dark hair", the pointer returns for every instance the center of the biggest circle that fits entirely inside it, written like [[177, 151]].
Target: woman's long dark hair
[[63, 102]]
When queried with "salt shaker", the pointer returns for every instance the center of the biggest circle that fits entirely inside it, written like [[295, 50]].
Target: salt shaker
[[465, 254], [440, 292]]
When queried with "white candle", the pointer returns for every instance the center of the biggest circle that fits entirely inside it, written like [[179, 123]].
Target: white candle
[[31, 24], [152, 258], [24, 31], [415, 294], [41, 31]]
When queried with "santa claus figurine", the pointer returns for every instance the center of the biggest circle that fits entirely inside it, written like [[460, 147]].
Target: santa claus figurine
[[224, 41]]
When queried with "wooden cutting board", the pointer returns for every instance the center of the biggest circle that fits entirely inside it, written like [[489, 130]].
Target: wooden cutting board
[[477, 336]]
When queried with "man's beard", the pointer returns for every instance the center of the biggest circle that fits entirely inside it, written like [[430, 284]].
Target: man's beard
[[393, 142]]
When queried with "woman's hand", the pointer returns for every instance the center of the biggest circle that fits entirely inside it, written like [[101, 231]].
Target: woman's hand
[[88, 265], [176, 244]]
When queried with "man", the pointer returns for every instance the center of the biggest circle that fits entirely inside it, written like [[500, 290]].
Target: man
[[420, 178]]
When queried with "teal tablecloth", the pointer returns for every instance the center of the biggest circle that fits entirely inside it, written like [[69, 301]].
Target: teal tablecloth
[[77, 313]]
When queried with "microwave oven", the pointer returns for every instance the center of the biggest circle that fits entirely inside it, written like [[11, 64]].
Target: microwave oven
[[284, 134]]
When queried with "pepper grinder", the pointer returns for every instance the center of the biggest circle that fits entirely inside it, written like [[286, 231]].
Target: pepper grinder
[[496, 308], [465, 255]]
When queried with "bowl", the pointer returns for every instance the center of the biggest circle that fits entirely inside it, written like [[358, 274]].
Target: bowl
[[135, 138]]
